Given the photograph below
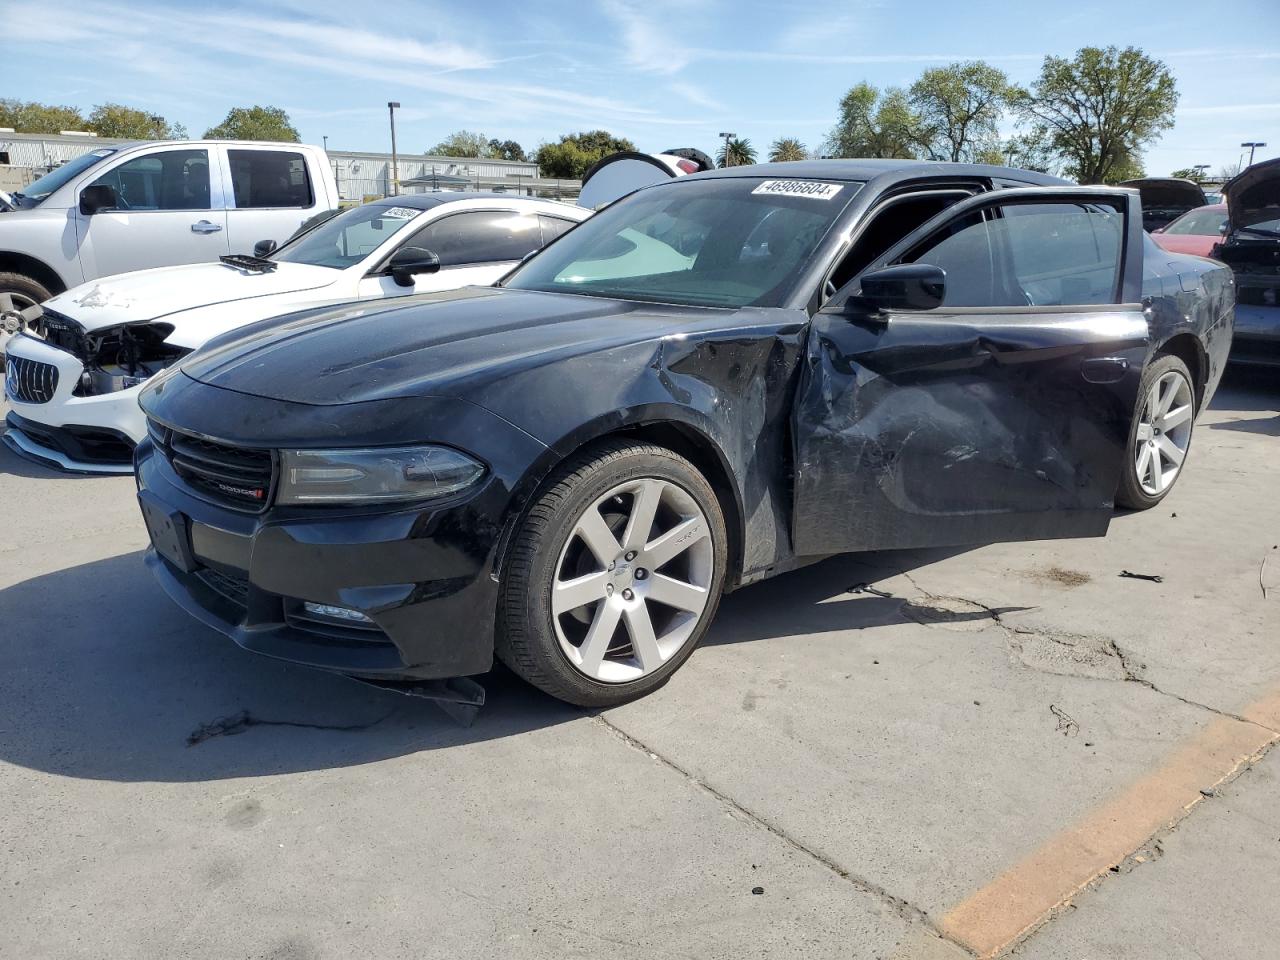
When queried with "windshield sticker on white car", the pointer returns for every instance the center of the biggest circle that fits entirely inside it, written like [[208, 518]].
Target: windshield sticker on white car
[[400, 213], [799, 188]]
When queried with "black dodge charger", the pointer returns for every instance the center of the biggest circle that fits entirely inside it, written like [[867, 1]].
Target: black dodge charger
[[713, 380]]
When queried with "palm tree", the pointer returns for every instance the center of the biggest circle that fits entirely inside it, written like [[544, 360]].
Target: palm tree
[[740, 153], [785, 149]]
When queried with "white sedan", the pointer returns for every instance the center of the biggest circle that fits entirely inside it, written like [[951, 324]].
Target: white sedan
[[72, 381]]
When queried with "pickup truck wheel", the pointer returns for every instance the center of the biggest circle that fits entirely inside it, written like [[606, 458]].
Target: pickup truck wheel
[[614, 575], [1160, 436], [18, 293]]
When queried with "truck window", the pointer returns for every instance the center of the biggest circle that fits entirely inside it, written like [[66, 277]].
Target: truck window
[[166, 180], [270, 179]]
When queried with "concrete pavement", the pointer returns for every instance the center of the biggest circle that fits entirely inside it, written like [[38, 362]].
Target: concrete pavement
[[946, 766]]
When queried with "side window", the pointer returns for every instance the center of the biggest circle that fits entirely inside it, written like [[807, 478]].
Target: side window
[[552, 227], [168, 180], [1030, 254], [485, 236], [888, 225], [270, 179]]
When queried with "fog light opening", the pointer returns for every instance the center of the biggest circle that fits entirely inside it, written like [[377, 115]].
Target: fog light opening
[[331, 612]]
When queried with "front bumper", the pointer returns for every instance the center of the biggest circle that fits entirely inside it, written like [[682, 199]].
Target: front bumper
[[421, 576], [93, 434], [73, 448], [1257, 335]]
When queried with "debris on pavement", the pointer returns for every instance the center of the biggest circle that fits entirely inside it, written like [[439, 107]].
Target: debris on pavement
[[1067, 725], [1154, 578]]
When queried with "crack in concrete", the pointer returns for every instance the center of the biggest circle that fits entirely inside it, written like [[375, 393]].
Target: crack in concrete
[[1130, 674], [903, 908]]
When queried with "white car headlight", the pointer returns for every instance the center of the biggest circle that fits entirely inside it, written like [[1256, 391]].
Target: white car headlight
[[374, 474]]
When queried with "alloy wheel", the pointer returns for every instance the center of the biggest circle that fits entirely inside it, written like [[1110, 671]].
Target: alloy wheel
[[633, 580], [1164, 432]]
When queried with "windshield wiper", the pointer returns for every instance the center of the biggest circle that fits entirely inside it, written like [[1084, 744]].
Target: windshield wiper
[[1260, 231]]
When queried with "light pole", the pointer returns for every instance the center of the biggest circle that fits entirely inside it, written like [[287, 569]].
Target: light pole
[[326, 143], [728, 160], [1252, 144], [395, 162], [1200, 169]]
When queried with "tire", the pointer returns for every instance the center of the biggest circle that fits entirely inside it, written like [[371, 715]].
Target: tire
[[1157, 450], [22, 292], [591, 647]]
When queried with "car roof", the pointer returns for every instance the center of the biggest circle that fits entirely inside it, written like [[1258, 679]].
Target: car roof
[[884, 170], [425, 201]]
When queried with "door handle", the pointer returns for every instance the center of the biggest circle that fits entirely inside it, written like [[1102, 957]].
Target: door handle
[[1104, 369], [204, 226]]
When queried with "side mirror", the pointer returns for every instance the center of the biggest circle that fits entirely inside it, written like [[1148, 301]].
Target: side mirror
[[1222, 229], [264, 248], [97, 197], [408, 262], [908, 286]]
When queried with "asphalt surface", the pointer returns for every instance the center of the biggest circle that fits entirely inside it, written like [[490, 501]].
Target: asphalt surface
[[1005, 749]]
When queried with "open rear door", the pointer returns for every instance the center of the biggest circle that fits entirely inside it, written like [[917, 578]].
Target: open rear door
[[1003, 414]]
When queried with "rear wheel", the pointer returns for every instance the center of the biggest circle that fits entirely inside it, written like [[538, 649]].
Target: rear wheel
[[1160, 436], [614, 576]]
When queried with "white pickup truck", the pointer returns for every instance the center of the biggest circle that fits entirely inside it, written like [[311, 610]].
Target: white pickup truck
[[153, 204]]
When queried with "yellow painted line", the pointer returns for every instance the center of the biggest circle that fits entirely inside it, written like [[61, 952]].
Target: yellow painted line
[[1019, 900]]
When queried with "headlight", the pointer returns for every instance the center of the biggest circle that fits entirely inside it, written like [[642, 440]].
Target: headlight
[[374, 474]]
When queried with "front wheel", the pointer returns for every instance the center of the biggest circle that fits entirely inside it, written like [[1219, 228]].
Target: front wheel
[[19, 296], [1160, 436], [614, 575]]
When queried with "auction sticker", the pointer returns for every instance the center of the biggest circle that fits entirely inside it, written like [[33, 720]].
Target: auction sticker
[[400, 213], [799, 188]]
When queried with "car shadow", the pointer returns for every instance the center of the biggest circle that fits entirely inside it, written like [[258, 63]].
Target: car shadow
[[103, 677], [838, 594]]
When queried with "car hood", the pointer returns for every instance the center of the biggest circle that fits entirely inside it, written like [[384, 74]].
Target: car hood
[[1254, 195], [152, 294], [1166, 193], [432, 345]]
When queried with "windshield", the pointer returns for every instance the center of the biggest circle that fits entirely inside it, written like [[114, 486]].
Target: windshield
[[718, 242], [349, 237], [51, 181], [1200, 223]]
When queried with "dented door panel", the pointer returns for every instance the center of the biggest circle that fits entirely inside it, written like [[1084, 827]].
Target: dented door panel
[[963, 427]]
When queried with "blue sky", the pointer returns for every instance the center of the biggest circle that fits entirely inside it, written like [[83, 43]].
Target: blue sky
[[662, 73]]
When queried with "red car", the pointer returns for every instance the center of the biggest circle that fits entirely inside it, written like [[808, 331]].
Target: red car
[[1195, 232]]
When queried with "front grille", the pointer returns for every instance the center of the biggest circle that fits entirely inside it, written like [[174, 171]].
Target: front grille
[[30, 381], [238, 476]]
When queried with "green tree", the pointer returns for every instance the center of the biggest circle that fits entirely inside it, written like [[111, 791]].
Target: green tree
[[737, 152], [32, 117], [254, 123], [574, 153], [875, 124], [1101, 108], [785, 149], [959, 108], [506, 150], [1189, 173], [1027, 151], [126, 123], [462, 143]]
